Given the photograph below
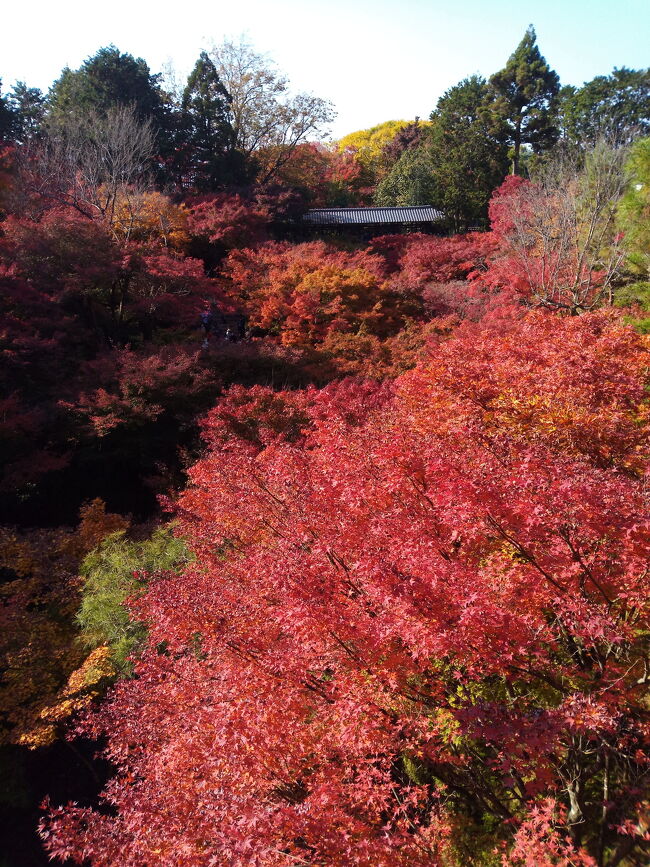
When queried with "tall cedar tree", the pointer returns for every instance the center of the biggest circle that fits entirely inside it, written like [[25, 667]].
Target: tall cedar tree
[[468, 155], [206, 127], [524, 96]]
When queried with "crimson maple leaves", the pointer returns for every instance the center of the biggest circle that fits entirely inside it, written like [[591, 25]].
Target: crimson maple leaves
[[413, 628]]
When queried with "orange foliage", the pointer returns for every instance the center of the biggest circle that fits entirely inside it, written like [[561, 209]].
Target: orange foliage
[[94, 526], [48, 674], [150, 218], [307, 293]]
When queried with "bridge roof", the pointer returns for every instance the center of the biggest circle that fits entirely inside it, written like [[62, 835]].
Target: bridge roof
[[373, 216]]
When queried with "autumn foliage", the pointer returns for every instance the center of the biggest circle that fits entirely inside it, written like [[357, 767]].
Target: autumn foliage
[[79, 300], [229, 220], [414, 628], [326, 547], [48, 675], [307, 292]]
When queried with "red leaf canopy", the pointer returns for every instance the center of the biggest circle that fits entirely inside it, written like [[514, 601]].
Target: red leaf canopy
[[412, 607]]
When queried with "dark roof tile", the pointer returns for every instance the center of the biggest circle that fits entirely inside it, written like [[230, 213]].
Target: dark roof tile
[[370, 216]]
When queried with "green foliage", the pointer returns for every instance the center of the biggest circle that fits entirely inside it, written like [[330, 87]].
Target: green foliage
[[468, 153], [524, 94], [634, 209], [617, 105], [28, 105], [633, 219], [461, 160], [6, 117], [410, 181], [416, 771], [636, 296], [114, 572], [108, 82], [206, 131], [107, 79]]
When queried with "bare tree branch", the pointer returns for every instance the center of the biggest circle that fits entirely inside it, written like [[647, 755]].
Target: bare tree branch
[[563, 231], [87, 161], [265, 115]]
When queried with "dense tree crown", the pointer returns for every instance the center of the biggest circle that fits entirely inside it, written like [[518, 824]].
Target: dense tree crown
[[108, 78], [28, 105], [634, 209], [455, 161], [617, 105], [524, 94], [416, 614], [410, 181], [468, 154], [206, 131], [368, 146]]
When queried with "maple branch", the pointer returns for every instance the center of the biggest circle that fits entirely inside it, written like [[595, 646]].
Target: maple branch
[[541, 676], [564, 534], [524, 552]]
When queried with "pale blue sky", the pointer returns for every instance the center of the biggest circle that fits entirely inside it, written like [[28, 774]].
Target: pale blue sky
[[375, 60]]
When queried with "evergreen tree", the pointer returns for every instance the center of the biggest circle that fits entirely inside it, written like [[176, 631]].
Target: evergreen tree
[[410, 181], [634, 211], [468, 153], [28, 105], [206, 130], [461, 159], [616, 105], [107, 79], [524, 96], [7, 118]]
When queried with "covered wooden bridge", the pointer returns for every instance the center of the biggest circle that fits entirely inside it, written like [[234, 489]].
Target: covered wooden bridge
[[413, 218]]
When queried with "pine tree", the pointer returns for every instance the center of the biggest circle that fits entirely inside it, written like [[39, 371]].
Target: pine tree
[[524, 94], [107, 79], [28, 105]]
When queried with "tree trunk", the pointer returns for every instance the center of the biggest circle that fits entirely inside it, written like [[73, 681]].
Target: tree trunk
[[516, 141]]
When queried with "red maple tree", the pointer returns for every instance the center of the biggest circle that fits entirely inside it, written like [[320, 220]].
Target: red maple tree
[[414, 628]]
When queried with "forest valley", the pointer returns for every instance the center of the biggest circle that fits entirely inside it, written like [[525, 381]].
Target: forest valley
[[318, 550]]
